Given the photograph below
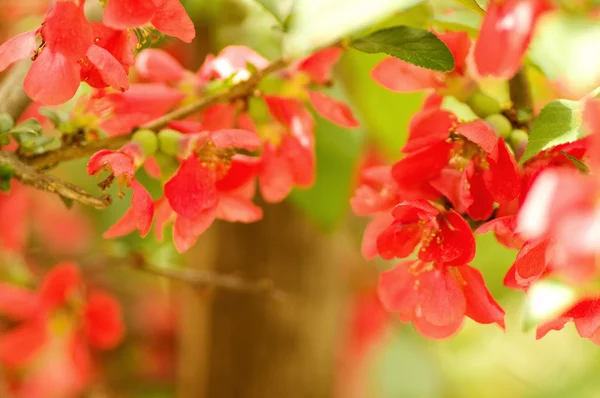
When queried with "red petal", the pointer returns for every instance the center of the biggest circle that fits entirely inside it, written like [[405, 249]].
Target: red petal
[[58, 284], [66, 31], [371, 234], [480, 133], [448, 184], [242, 169], [397, 289], [586, 316], [219, 117], [143, 208], [20, 345], [301, 160], [124, 14], [398, 240], [432, 331], [318, 66], [332, 110], [505, 180], [474, 193], [507, 25], [186, 231], [17, 48], [124, 226], [192, 190], [111, 71], [64, 82], [235, 208], [459, 44], [159, 66], [554, 324], [233, 59], [531, 261], [481, 306], [163, 214], [409, 212], [17, 303], [236, 138], [453, 244], [276, 178], [103, 321], [400, 76], [172, 19], [441, 298], [427, 128], [413, 172], [117, 162]]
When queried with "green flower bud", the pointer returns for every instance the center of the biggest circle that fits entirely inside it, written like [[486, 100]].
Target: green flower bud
[[483, 105], [147, 139], [169, 141], [500, 124], [518, 138]]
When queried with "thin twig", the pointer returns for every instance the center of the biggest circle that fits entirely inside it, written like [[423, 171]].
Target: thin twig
[[243, 89], [29, 176], [207, 279]]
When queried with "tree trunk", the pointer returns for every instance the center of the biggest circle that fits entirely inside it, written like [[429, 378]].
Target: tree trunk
[[264, 347]]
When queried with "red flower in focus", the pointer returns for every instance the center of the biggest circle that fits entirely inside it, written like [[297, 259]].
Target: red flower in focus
[[204, 189], [168, 16], [57, 313], [122, 165], [69, 53], [507, 25], [443, 236], [436, 298]]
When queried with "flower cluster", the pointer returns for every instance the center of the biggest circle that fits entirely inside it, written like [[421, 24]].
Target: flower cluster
[[72, 49], [224, 152], [58, 323]]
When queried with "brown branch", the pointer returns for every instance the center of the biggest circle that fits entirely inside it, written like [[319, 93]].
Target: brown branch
[[520, 95], [243, 89], [206, 279], [29, 176]]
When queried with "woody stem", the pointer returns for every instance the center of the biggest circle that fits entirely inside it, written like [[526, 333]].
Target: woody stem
[[520, 95]]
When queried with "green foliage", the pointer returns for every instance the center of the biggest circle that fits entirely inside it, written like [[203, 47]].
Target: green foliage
[[318, 23], [559, 122], [28, 127], [417, 46], [577, 163], [58, 119], [6, 122]]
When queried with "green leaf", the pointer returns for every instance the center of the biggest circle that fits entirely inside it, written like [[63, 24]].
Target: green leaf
[[280, 9], [29, 126], [35, 144], [577, 163], [417, 46], [6, 122], [55, 117], [559, 122], [6, 174], [319, 23], [472, 5]]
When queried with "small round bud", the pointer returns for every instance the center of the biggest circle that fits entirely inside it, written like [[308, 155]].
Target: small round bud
[[500, 123], [168, 165], [169, 141], [518, 138], [147, 139], [483, 105]]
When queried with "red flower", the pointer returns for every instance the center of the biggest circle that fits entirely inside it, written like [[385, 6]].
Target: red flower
[[436, 298], [68, 54], [99, 319], [443, 237], [168, 16], [122, 165], [508, 25]]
